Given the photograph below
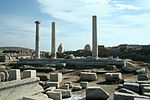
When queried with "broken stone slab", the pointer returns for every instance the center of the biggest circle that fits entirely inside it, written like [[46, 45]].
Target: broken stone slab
[[14, 74], [143, 85], [52, 84], [123, 90], [2, 77], [145, 89], [29, 74], [141, 71], [17, 89], [76, 88], [65, 93], [6, 74], [143, 82], [84, 85], [87, 76], [42, 83], [113, 76], [126, 96], [146, 94], [50, 89], [65, 86], [132, 86], [128, 69], [44, 77], [96, 93], [143, 77], [56, 77], [54, 95], [70, 84], [141, 98]]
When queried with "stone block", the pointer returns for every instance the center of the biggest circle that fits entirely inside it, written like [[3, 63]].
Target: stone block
[[65, 86], [76, 88], [146, 89], [70, 84], [17, 89], [50, 89], [113, 76], [56, 77], [44, 77], [84, 85], [123, 90], [14, 74], [6, 74], [2, 77], [54, 95], [143, 77], [52, 84], [65, 93], [132, 86], [126, 69], [126, 96], [87, 76], [29, 74], [96, 93], [141, 71]]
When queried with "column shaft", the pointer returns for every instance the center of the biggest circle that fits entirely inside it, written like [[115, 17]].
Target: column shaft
[[53, 46], [94, 37], [37, 42]]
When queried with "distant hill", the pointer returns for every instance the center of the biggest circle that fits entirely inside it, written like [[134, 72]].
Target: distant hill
[[15, 48]]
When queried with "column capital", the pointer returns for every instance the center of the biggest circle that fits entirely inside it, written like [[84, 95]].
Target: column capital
[[37, 22]]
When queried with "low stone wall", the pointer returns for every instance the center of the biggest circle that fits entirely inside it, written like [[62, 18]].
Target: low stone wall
[[76, 62], [16, 89]]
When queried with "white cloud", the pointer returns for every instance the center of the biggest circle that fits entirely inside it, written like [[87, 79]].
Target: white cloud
[[123, 6]]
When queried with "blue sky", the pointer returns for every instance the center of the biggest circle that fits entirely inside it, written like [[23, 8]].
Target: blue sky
[[119, 22]]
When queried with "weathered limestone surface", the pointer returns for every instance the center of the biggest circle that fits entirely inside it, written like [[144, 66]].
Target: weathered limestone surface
[[53, 45], [14, 74], [52, 84], [65, 93], [87, 76], [56, 77], [84, 85], [2, 77], [126, 96], [37, 42], [54, 95], [143, 77], [123, 90], [132, 86], [17, 89], [70, 84], [6, 74], [36, 97], [96, 93], [76, 88], [50, 89], [113, 76], [141, 71], [60, 48], [29, 73]]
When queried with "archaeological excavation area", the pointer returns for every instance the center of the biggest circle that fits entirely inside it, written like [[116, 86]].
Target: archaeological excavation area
[[73, 77]]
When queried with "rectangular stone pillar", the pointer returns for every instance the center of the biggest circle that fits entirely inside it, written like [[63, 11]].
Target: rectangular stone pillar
[[94, 37], [14, 74], [37, 42], [53, 45]]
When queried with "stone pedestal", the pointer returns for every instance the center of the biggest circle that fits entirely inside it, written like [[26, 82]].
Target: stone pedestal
[[94, 37], [29, 74], [14, 74], [37, 42], [53, 46], [56, 77]]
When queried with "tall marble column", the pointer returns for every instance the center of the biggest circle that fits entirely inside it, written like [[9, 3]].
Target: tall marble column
[[37, 42], [94, 37], [53, 46]]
